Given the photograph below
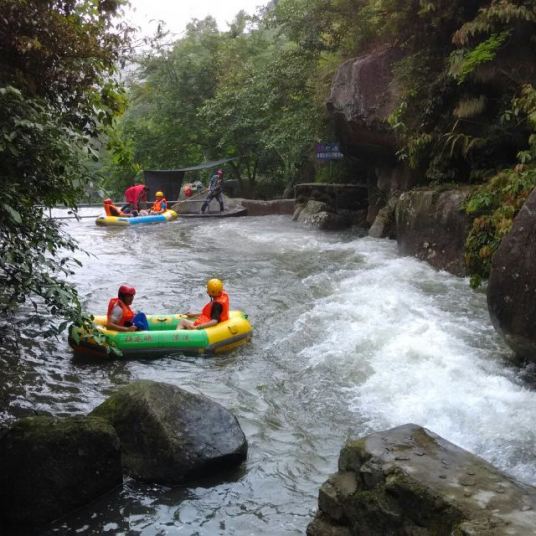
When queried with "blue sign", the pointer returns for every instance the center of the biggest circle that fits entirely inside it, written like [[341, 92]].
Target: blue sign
[[328, 151]]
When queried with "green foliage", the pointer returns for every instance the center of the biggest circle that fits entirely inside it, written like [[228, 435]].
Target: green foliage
[[249, 92], [496, 203], [55, 97], [463, 63]]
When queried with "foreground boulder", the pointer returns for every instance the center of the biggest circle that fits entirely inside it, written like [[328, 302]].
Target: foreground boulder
[[432, 226], [169, 435], [49, 466], [512, 283], [409, 481]]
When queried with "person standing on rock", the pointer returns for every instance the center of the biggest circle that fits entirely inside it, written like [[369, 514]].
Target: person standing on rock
[[215, 190]]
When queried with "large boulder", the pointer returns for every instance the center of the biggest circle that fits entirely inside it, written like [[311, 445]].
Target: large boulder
[[432, 225], [512, 283], [363, 96], [169, 435], [49, 466], [409, 481]]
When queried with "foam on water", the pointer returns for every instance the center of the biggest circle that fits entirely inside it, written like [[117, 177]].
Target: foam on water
[[431, 358]]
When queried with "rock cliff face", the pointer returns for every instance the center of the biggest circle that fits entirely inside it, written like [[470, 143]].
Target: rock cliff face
[[432, 225], [363, 95], [409, 481], [512, 283]]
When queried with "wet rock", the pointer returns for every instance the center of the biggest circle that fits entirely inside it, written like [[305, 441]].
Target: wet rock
[[50, 466], [384, 222], [432, 225], [331, 206], [408, 480], [169, 435], [512, 283], [264, 208]]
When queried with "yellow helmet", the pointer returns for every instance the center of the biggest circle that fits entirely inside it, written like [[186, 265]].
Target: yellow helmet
[[159, 194], [214, 287]]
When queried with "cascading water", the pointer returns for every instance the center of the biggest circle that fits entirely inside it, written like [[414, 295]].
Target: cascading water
[[348, 338]]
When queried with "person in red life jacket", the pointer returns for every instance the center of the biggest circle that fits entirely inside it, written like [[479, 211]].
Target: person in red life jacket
[[160, 205], [134, 196], [217, 310], [112, 210], [120, 315]]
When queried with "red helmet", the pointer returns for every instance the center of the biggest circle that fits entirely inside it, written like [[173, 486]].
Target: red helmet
[[108, 201], [127, 290], [219, 172]]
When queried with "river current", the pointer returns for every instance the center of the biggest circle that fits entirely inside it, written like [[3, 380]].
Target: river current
[[349, 338]]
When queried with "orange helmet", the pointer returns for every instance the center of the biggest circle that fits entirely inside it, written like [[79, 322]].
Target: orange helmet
[[108, 201]]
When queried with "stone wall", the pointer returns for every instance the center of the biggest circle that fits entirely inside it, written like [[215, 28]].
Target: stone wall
[[331, 206], [265, 208]]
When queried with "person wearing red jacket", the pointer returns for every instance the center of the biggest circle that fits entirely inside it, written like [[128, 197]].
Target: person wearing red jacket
[[135, 195], [120, 316], [111, 210], [214, 312]]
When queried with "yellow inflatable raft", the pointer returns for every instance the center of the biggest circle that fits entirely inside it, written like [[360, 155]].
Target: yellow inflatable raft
[[163, 337]]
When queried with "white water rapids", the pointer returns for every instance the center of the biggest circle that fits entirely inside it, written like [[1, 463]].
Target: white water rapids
[[349, 338]]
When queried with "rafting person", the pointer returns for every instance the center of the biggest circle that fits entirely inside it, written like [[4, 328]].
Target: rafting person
[[112, 210], [214, 312], [160, 205], [134, 196], [120, 317], [215, 190]]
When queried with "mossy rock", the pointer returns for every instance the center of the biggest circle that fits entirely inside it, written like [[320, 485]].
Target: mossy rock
[[409, 481], [169, 435], [50, 466]]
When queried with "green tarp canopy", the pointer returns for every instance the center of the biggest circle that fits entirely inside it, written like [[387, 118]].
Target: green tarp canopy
[[169, 181]]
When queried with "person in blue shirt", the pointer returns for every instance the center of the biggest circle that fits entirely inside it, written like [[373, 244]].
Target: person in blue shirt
[[215, 191]]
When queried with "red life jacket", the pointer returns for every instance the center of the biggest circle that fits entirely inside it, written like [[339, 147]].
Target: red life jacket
[[206, 313], [112, 210], [157, 205], [128, 313]]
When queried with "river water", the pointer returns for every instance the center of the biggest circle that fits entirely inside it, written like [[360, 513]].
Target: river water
[[349, 338]]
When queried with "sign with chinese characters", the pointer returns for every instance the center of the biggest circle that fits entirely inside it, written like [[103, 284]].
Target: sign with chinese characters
[[328, 151]]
